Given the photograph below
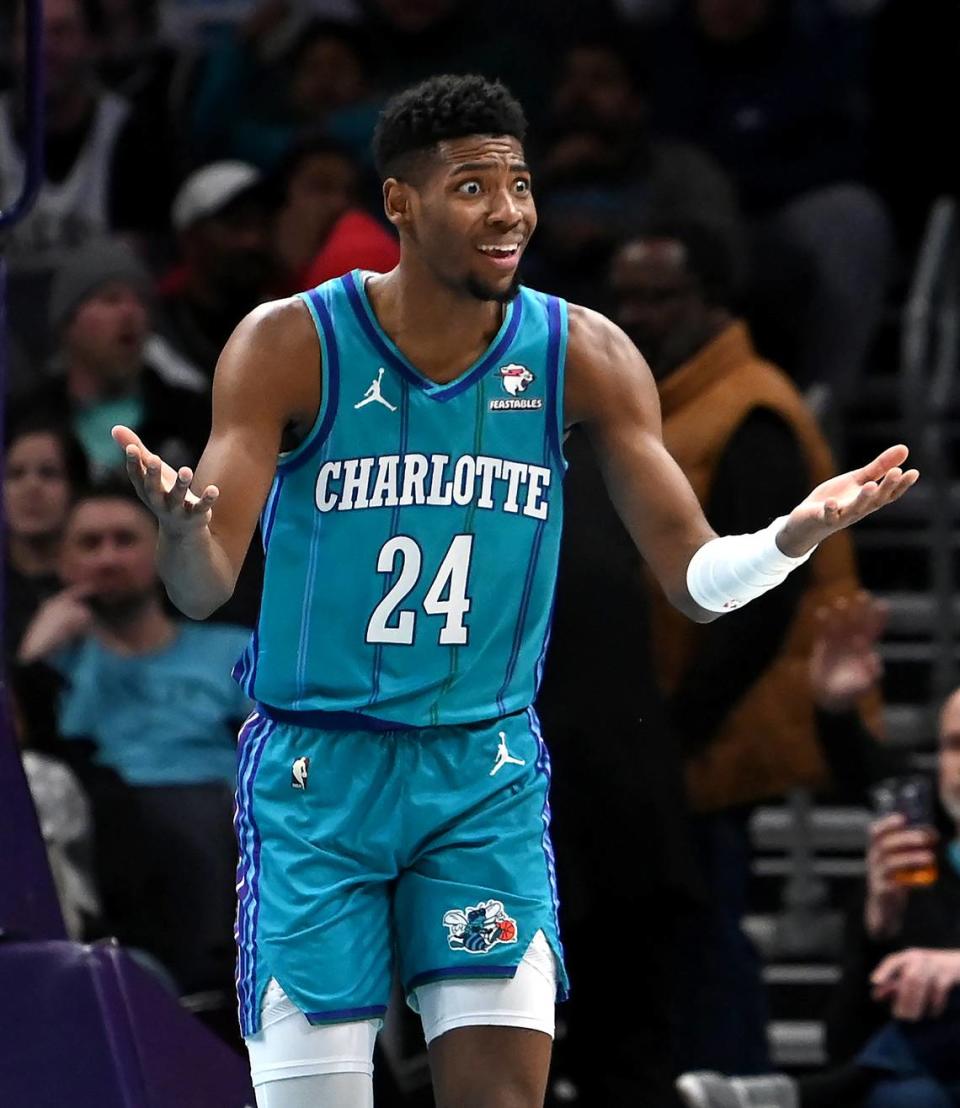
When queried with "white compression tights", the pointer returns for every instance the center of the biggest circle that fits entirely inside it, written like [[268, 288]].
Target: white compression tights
[[296, 1065], [319, 1090]]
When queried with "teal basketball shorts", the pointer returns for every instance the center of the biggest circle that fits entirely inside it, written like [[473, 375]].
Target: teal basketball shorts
[[427, 851]]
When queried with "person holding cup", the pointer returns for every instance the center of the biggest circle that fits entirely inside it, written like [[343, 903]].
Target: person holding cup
[[893, 1022]]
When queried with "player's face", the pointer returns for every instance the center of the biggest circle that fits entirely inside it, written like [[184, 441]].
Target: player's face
[[949, 757], [110, 546], [474, 214], [35, 486], [657, 302]]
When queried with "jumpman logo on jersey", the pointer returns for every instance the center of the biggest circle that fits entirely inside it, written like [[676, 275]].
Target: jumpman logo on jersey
[[373, 394], [504, 757]]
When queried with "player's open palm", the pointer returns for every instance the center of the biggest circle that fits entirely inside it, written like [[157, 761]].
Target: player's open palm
[[165, 490], [846, 499]]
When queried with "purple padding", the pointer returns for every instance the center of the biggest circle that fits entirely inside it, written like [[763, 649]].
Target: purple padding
[[87, 1026]]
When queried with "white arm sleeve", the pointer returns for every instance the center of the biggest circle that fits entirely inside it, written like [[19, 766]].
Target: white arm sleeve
[[728, 572]]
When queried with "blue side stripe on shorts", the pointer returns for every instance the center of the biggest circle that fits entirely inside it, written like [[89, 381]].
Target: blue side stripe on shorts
[[248, 906], [543, 766]]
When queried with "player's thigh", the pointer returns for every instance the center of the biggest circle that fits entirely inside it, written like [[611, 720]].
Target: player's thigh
[[314, 907], [481, 884], [522, 1003], [490, 1067], [298, 1064]]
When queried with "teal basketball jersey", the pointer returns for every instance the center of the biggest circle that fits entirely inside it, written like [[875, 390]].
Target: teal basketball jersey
[[412, 537]]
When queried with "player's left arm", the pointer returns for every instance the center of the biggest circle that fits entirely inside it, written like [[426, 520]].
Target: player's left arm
[[610, 390]]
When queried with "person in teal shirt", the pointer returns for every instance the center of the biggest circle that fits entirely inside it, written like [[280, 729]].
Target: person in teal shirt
[[155, 697]]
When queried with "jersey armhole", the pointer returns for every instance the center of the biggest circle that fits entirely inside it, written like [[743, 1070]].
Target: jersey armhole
[[329, 385], [557, 322]]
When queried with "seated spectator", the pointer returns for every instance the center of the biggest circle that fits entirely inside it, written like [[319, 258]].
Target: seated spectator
[[320, 231], [602, 172], [100, 315], [895, 1016], [775, 92], [221, 217], [156, 699], [45, 469], [87, 131], [739, 701], [256, 108]]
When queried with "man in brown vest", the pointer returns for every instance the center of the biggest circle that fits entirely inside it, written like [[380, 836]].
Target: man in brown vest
[[738, 688]]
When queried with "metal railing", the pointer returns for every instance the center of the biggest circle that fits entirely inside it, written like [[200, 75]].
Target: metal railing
[[930, 340]]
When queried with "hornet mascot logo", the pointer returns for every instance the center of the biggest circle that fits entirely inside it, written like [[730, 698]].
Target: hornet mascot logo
[[477, 930]]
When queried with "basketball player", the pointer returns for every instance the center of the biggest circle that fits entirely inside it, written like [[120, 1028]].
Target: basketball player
[[400, 438]]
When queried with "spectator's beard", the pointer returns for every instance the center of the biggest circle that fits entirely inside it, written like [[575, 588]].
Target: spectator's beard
[[118, 609]]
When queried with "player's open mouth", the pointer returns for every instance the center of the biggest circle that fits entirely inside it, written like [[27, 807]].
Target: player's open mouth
[[503, 255]]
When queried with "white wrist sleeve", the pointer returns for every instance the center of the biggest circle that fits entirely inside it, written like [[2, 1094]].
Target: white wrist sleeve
[[728, 572]]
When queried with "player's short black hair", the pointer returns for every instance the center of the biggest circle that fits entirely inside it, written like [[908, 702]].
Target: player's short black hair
[[446, 107]]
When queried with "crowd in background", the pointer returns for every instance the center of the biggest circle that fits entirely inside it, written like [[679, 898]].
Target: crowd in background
[[740, 184]]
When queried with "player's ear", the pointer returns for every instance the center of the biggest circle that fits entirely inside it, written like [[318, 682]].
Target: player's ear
[[397, 196]]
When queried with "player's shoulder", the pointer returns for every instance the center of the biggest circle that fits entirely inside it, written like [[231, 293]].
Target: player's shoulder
[[593, 339], [285, 321]]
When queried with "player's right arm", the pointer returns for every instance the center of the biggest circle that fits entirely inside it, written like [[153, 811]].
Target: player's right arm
[[267, 378]]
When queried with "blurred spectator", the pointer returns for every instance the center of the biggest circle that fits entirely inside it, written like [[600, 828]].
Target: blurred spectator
[[894, 1018], [254, 107], [624, 854], [45, 468], [909, 159], [155, 697], [221, 217], [66, 826], [90, 171], [416, 39], [602, 172], [738, 693], [100, 317], [135, 62], [775, 90], [320, 231]]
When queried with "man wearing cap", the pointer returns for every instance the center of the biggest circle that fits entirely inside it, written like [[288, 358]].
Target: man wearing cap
[[99, 317], [220, 215]]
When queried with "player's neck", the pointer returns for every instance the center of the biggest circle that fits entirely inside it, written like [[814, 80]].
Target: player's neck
[[441, 330]]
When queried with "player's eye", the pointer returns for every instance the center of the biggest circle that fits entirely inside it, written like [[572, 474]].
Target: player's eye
[[522, 186], [470, 188]]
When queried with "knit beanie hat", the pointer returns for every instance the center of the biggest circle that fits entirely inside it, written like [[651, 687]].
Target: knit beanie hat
[[86, 270]]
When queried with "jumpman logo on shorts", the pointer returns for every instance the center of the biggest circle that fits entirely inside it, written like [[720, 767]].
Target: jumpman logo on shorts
[[504, 757], [373, 394]]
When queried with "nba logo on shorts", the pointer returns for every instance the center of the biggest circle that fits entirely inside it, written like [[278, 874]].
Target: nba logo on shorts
[[298, 773]]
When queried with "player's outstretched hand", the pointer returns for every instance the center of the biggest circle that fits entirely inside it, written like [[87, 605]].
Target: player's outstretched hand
[[846, 499], [164, 490]]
